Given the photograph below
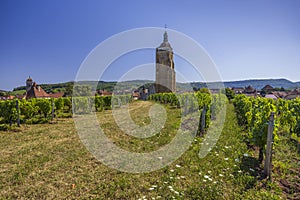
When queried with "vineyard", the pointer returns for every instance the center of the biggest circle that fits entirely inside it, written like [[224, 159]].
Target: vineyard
[[34, 111], [48, 160], [254, 113]]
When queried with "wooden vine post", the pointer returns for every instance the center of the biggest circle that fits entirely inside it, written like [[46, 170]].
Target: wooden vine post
[[18, 113], [52, 109], [268, 160], [203, 113]]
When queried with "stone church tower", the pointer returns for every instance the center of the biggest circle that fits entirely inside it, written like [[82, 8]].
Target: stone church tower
[[165, 73]]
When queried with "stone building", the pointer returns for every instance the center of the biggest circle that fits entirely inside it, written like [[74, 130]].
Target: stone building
[[165, 73], [35, 91]]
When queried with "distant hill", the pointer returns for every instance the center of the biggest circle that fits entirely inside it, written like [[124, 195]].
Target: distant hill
[[256, 83], [260, 83], [134, 84]]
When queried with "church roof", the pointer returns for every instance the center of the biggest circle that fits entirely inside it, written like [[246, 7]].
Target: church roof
[[36, 92], [29, 79], [165, 45]]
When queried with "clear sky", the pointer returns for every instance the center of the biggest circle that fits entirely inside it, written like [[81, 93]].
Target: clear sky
[[48, 40]]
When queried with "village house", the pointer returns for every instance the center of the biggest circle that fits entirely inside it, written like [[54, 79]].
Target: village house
[[280, 94], [35, 91], [238, 90], [103, 93], [268, 89], [293, 94]]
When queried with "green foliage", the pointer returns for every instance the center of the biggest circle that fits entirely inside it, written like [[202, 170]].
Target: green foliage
[[44, 106], [254, 115], [99, 103], [67, 103], [81, 105], [59, 104], [107, 102], [28, 108], [18, 92], [190, 102], [33, 110], [82, 90], [8, 113], [229, 93]]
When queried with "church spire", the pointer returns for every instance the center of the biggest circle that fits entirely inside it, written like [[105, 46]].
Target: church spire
[[165, 34]]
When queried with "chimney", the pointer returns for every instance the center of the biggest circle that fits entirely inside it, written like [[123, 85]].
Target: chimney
[[39, 88]]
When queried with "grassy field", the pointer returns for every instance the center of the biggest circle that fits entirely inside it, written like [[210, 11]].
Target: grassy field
[[49, 162]]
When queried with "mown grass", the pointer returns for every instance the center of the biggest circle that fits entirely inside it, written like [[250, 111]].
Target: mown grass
[[49, 162]]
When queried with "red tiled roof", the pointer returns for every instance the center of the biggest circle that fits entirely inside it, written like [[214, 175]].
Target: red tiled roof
[[36, 92], [57, 95], [20, 96], [136, 94], [104, 93]]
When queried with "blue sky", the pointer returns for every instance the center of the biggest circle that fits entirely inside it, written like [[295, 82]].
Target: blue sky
[[48, 40]]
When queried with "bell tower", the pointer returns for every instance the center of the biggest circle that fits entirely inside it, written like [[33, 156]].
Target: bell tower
[[165, 73], [28, 84]]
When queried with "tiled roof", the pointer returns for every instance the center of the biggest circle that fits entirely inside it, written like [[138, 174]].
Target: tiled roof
[[293, 94], [268, 87], [280, 94], [104, 93], [36, 92], [250, 89], [271, 96], [20, 96], [57, 95]]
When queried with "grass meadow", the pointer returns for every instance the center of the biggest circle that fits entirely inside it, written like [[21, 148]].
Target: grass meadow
[[48, 161]]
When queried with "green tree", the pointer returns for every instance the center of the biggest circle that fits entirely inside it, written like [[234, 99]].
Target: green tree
[[229, 93]]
